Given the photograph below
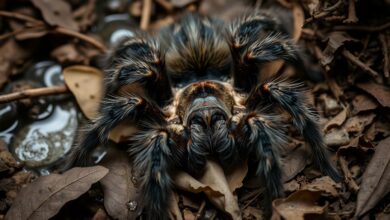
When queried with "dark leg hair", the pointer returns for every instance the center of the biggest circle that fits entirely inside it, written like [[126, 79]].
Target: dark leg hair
[[254, 40], [290, 97], [113, 111], [259, 139]]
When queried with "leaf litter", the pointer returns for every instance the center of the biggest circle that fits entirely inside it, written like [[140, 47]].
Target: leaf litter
[[352, 101]]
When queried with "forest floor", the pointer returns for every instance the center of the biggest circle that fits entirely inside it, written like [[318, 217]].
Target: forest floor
[[347, 46]]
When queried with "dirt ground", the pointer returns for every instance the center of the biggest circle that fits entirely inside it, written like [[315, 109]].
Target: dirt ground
[[347, 49]]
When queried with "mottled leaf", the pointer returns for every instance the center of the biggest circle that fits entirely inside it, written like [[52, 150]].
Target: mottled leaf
[[85, 83], [376, 179], [43, 198], [121, 197]]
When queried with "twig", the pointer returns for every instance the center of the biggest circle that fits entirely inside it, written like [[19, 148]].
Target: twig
[[32, 93], [355, 60], [257, 193], [21, 30], [362, 28], [352, 18], [20, 17], [385, 50], [146, 12], [60, 30], [325, 12], [348, 176], [200, 211], [165, 4], [80, 36]]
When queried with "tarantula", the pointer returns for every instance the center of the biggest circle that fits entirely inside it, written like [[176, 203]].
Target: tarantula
[[194, 92]]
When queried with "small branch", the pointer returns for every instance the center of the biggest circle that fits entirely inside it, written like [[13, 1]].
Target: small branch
[[21, 30], [20, 17], [166, 5], [348, 176], [200, 211], [362, 28], [32, 93], [352, 18], [355, 60], [146, 13], [385, 50], [325, 12], [80, 36]]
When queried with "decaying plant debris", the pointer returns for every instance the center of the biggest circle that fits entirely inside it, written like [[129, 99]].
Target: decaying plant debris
[[347, 45]]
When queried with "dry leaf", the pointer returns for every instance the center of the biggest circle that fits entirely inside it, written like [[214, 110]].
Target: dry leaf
[[57, 13], [100, 215], [336, 121], [252, 213], [298, 205], [376, 179], [358, 123], [174, 210], [85, 83], [43, 198], [335, 41], [11, 55], [215, 185], [295, 161], [67, 53], [324, 184], [336, 137], [120, 194], [380, 92], [363, 103]]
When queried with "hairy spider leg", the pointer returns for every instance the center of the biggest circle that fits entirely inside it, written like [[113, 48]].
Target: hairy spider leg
[[291, 97], [259, 138], [257, 39]]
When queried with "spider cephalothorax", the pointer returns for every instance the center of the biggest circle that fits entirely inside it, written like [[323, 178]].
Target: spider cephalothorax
[[194, 93]]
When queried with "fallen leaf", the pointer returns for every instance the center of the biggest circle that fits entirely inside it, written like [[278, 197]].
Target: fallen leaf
[[358, 123], [375, 179], [336, 137], [336, 121], [215, 185], [85, 83], [363, 103], [67, 53], [122, 132], [43, 198], [324, 184], [330, 105], [380, 92], [121, 197], [12, 56], [252, 213], [298, 205], [57, 13], [188, 215], [174, 210], [100, 215], [295, 161], [335, 41]]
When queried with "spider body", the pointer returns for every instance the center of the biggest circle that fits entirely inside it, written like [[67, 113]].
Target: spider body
[[194, 93]]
